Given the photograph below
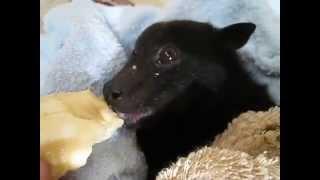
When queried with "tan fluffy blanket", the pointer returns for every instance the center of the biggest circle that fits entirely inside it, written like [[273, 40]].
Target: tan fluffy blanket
[[248, 149]]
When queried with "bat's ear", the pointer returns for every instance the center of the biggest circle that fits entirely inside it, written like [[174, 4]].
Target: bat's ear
[[237, 35]]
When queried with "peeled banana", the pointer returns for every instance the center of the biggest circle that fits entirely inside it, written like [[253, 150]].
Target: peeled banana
[[70, 124]]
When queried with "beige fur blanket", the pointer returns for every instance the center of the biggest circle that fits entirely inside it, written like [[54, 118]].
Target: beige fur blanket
[[248, 149]]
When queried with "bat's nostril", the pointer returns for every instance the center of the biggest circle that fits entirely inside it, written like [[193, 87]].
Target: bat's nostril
[[116, 95]]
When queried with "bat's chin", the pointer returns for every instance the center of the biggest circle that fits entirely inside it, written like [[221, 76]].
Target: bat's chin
[[133, 119]]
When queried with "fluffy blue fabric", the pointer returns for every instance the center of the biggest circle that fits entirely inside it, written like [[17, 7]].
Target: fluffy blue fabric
[[85, 43]]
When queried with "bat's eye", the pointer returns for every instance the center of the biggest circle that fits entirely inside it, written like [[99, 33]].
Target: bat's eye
[[134, 52], [167, 55]]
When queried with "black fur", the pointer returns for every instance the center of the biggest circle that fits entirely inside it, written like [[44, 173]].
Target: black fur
[[183, 84]]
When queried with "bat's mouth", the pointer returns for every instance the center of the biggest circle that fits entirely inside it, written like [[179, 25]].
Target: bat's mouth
[[132, 119]]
